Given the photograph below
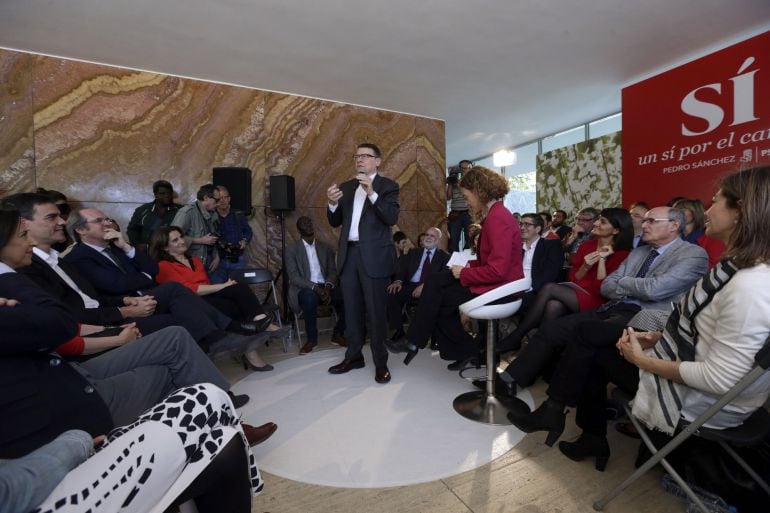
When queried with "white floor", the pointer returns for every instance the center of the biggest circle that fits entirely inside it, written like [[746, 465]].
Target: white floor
[[348, 431]]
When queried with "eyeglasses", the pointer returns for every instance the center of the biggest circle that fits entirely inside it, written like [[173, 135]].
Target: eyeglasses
[[522, 224], [364, 156], [585, 219], [653, 220], [100, 220]]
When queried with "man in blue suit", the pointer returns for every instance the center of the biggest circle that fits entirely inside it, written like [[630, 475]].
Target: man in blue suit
[[365, 207]]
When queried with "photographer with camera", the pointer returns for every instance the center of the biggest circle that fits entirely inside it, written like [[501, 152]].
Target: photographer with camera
[[199, 222], [459, 219], [234, 235]]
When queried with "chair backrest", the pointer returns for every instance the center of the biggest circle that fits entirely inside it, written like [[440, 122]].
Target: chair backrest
[[252, 276], [473, 308]]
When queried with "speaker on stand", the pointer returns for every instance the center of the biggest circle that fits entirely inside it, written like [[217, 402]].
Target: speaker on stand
[[282, 201]]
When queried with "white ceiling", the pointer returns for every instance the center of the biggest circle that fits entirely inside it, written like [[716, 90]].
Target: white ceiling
[[500, 73]]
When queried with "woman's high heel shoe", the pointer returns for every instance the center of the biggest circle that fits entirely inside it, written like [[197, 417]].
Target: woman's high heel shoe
[[411, 352], [248, 365], [549, 416], [587, 446], [263, 323]]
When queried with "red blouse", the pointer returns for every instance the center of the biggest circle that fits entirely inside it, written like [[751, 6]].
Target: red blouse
[[592, 297], [176, 271]]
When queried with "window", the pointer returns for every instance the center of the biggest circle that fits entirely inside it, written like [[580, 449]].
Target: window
[[566, 138], [604, 126]]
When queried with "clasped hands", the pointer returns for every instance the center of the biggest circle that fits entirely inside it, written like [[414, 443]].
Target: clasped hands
[[600, 254], [632, 344], [323, 292]]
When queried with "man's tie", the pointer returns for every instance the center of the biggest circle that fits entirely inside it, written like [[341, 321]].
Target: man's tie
[[110, 253], [646, 264], [425, 272]]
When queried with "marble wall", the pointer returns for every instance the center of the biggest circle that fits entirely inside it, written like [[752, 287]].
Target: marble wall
[[103, 135]]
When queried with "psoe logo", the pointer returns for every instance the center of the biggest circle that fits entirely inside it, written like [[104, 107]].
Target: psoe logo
[[714, 113]]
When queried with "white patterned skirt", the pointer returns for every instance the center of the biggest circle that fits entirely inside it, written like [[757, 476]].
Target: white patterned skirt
[[145, 466]]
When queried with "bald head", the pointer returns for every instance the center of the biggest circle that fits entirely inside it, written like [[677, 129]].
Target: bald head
[[661, 225]]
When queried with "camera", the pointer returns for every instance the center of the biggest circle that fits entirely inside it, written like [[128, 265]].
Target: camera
[[231, 252], [455, 174]]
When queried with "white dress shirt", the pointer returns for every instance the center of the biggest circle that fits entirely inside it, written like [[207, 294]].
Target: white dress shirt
[[52, 259], [316, 276]]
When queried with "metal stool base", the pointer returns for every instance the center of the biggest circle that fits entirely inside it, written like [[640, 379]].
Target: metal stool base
[[487, 409]]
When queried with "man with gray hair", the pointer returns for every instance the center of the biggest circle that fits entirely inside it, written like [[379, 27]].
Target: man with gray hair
[[414, 268]]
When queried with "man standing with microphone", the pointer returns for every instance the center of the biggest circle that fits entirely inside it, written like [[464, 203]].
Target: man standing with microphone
[[365, 207]]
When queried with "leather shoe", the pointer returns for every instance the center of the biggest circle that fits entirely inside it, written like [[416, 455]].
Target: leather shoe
[[262, 324], [338, 339], [549, 416], [347, 366], [382, 375], [588, 446], [309, 345], [397, 346], [257, 435], [238, 400], [502, 388], [471, 361]]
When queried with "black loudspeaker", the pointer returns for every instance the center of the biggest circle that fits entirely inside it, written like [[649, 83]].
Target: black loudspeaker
[[282, 192], [238, 183]]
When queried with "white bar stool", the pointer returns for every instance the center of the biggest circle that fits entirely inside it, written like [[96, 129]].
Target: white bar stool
[[482, 405]]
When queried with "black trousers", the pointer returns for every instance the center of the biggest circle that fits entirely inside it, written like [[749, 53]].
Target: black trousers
[[438, 317], [236, 301], [365, 299], [591, 328], [396, 304], [178, 305]]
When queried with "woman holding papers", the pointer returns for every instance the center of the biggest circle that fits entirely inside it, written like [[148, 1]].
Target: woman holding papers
[[498, 262]]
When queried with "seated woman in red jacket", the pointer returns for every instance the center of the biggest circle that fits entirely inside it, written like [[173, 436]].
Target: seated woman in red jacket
[[498, 262], [599, 256], [234, 299]]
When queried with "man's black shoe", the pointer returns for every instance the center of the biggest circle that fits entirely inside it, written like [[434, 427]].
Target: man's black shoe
[[347, 366], [502, 388]]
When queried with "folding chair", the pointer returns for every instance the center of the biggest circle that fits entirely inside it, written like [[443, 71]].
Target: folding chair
[[258, 276], [750, 433], [298, 317], [484, 406]]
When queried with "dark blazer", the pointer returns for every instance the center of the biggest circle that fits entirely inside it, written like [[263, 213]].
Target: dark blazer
[[376, 241], [409, 263], [298, 268], [547, 262], [47, 279], [41, 395], [106, 277]]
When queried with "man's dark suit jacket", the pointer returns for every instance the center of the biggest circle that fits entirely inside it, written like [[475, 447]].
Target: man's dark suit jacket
[[107, 313], [376, 241], [106, 277], [547, 262], [408, 264], [40, 394], [298, 269]]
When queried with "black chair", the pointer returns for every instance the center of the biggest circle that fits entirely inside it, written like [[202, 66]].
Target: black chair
[[259, 276], [753, 430]]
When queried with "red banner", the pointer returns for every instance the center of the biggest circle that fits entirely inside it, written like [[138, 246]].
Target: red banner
[[685, 128]]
